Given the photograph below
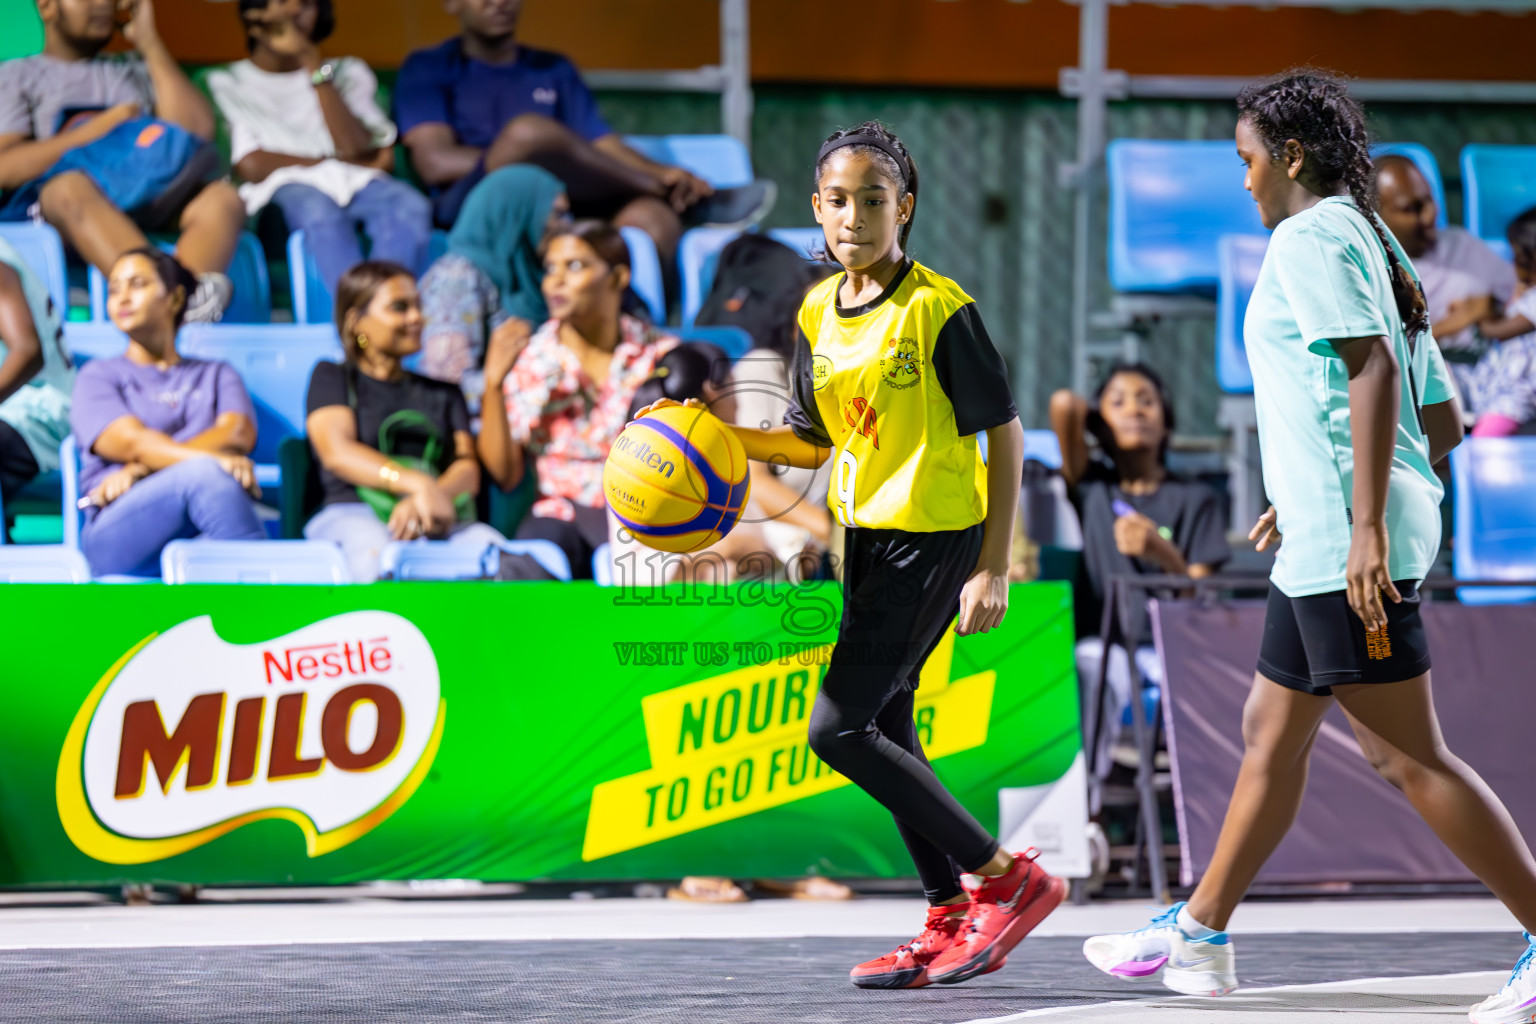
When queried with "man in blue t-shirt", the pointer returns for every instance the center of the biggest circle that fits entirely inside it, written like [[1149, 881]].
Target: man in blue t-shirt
[[481, 101]]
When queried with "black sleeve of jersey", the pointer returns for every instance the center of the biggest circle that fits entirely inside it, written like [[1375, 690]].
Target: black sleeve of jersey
[[802, 415], [972, 374]]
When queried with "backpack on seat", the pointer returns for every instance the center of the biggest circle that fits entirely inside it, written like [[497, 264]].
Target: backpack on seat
[[759, 285], [148, 168]]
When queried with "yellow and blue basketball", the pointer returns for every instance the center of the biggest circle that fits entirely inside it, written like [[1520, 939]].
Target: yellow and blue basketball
[[677, 479]]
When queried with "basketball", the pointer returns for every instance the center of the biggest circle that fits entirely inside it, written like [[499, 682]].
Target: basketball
[[677, 479]]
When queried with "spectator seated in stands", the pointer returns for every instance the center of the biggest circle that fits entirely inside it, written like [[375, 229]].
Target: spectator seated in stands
[[490, 273], [35, 377], [1137, 519], [66, 104], [482, 101], [164, 441], [563, 393], [1506, 377], [307, 136], [1466, 284], [397, 460]]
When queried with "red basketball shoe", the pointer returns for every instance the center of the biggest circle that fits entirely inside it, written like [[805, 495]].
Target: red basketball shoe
[[907, 965], [1003, 911]]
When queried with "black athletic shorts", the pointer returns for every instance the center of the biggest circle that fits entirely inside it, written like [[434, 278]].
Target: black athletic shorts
[[1315, 643]]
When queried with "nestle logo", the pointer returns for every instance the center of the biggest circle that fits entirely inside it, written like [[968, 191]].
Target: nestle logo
[[330, 661]]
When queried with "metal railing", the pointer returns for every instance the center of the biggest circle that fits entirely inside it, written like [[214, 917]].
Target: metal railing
[[731, 78]]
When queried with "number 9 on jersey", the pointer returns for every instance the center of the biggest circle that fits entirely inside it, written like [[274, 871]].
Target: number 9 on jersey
[[845, 477]]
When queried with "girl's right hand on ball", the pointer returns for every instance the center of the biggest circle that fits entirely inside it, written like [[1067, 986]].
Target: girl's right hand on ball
[[666, 403]]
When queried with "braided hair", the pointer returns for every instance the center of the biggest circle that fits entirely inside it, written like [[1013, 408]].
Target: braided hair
[[904, 182], [1314, 108]]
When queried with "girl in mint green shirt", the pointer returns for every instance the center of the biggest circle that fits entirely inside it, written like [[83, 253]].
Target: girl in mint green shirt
[[1354, 410]]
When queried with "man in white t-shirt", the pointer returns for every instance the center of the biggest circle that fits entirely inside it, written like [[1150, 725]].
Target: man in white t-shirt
[[307, 136], [1465, 282]]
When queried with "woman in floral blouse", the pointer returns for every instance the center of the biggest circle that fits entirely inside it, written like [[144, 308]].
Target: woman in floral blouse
[[561, 393]]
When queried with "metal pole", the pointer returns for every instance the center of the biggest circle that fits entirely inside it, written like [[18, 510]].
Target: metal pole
[[736, 62], [1093, 59]]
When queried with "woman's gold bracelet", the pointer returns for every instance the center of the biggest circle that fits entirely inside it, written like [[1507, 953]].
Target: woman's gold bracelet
[[390, 474]]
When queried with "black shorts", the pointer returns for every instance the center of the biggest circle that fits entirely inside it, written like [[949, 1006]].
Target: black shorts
[[1315, 643]]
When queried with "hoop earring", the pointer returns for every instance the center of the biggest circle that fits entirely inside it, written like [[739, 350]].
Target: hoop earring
[[362, 342]]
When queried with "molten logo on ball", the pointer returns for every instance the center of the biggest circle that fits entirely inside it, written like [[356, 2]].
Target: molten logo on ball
[[677, 479], [189, 737], [641, 452]]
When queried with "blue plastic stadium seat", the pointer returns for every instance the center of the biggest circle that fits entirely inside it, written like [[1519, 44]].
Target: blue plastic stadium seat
[[252, 301], [253, 561], [1495, 528], [41, 248], [432, 560], [698, 254], [1428, 166], [721, 160], [1240, 258], [645, 272], [274, 361], [69, 474], [42, 563], [312, 301], [1499, 183], [808, 242], [87, 341], [449, 560], [1169, 202], [1044, 447], [602, 565], [735, 342]]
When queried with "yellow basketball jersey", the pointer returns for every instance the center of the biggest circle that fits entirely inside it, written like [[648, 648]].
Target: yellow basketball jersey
[[898, 388]]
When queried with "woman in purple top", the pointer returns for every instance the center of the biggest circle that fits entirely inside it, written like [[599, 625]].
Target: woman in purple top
[[164, 441]]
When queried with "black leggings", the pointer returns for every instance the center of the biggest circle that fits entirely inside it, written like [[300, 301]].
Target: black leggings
[[900, 592]]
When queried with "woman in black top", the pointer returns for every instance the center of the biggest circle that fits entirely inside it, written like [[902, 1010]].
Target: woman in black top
[[1138, 519], [397, 460]]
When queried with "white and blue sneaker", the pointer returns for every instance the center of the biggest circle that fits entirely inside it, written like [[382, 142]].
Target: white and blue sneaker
[[1201, 967], [1135, 954], [1194, 967], [1515, 1003]]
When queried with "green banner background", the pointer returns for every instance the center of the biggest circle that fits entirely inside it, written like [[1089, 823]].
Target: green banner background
[[539, 711]]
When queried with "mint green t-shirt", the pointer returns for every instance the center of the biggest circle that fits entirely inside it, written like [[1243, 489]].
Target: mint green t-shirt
[[1325, 277]]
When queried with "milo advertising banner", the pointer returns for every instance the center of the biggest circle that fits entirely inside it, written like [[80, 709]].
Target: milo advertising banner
[[223, 735]]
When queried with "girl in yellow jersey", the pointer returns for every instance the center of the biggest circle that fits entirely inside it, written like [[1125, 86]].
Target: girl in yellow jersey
[[894, 377]]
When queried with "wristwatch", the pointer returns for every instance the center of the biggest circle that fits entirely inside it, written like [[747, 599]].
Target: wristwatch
[[325, 74]]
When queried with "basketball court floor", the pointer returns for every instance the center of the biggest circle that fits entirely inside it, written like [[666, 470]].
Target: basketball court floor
[[362, 958]]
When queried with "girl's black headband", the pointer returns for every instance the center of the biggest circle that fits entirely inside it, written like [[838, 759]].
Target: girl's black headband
[[869, 140]]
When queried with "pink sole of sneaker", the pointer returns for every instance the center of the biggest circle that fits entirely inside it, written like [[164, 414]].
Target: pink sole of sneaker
[[1138, 968], [995, 955]]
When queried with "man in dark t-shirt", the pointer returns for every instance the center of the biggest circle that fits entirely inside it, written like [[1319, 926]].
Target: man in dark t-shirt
[[482, 101], [1137, 519]]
